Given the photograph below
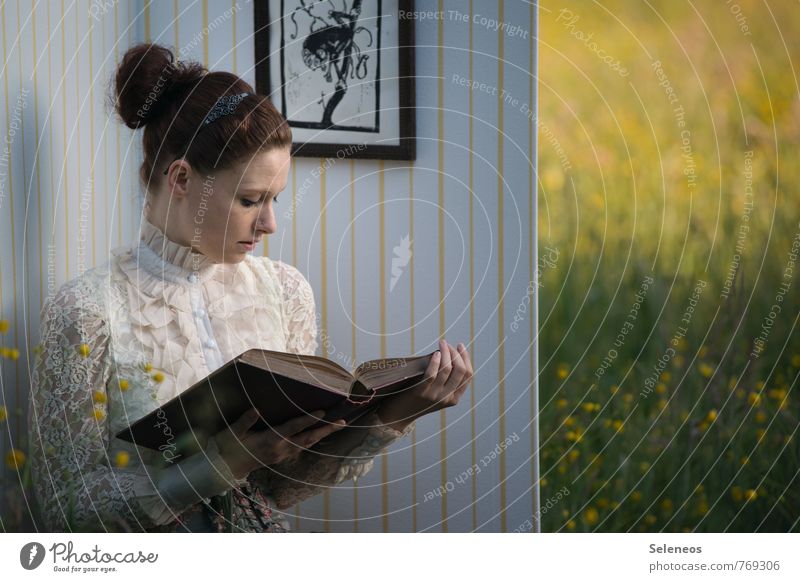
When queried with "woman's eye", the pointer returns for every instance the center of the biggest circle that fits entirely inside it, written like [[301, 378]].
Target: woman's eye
[[248, 203], [275, 200]]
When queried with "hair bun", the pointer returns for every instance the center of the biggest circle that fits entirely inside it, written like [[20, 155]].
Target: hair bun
[[146, 77]]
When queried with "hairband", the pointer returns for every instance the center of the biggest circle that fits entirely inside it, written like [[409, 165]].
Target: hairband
[[225, 105]]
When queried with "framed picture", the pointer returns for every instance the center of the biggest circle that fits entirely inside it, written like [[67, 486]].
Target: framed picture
[[342, 73]]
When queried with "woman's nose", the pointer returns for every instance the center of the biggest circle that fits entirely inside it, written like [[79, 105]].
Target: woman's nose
[[266, 220]]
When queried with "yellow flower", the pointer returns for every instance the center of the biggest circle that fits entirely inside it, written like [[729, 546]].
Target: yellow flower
[[703, 426], [666, 376], [666, 505], [761, 416], [703, 351], [4, 325], [123, 384], [760, 433], [636, 496], [740, 393], [699, 489], [750, 495], [661, 388], [590, 406], [158, 377], [627, 398], [796, 360], [650, 519], [99, 414], [99, 397], [776, 393], [569, 421], [562, 403], [590, 516], [682, 344], [705, 370], [562, 468], [736, 493], [13, 353], [147, 367], [543, 482], [5, 352], [84, 350], [571, 525], [574, 435], [754, 399], [122, 459], [3, 413], [744, 461], [562, 371], [662, 404], [644, 466], [702, 507], [38, 349], [565, 513], [602, 503], [574, 454], [678, 361], [614, 388], [618, 425], [15, 459], [760, 385], [712, 415]]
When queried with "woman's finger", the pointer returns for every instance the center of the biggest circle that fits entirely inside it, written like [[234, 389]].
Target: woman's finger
[[242, 424], [465, 355], [445, 366], [299, 423], [458, 372], [309, 438]]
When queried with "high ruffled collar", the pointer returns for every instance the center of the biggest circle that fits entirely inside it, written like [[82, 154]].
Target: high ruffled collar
[[163, 257]]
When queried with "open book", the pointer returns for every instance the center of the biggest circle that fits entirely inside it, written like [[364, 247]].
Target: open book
[[281, 386]]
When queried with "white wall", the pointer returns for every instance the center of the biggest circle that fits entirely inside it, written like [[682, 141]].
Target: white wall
[[468, 202]]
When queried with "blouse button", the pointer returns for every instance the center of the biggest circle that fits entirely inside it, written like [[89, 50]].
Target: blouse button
[[209, 344], [199, 312], [192, 278]]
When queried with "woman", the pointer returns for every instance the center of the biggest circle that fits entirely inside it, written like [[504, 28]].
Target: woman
[[123, 338]]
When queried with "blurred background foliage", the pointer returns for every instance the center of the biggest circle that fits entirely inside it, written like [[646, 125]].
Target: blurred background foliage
[[711, 443]]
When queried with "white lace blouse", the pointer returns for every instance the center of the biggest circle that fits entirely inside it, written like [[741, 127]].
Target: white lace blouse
[[124, 338]]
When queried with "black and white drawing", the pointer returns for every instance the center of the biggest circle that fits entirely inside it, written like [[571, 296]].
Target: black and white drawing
[[341, 72]]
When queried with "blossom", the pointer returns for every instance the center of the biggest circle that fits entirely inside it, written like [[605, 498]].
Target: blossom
[[84, 350], [158, 377], [99, 397], [15, 459], [590, 516], [123, 384], [4, 325], [122, 459], [3, 413]]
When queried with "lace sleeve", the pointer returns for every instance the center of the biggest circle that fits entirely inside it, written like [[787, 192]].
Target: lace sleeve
[[346, 454], [299, 310], [76, 483]]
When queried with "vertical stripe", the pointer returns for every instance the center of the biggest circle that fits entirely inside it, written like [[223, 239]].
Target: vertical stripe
[[294, 213], [442, 320], [382, 316], [93, 156], [39, 164], [175, 24], [412, 327], [65, 194], [500, 274], [473, 440], [77, 142], [10, 165], [205, 32], [533, 211], [147, 36], [323, 260], [117, 193], [235, 46], [353, 304]]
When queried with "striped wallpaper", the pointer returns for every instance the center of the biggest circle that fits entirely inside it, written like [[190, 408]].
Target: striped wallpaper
[[466, 205]]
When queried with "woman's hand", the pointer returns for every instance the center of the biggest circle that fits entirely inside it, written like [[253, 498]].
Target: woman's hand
[[446, 380], [245, 450]]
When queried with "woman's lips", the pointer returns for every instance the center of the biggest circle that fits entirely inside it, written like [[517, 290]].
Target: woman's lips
[[248, 246]]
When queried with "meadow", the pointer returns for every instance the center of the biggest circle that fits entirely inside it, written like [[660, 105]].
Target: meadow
[[668, 182]]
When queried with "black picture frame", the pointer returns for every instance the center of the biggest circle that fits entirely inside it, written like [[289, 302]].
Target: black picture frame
[[325, 42]]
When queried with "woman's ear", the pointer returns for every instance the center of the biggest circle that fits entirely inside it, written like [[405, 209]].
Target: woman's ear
[[179, 177]]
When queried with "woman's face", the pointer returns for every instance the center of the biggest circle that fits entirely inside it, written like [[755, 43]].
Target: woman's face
[[224, 215]]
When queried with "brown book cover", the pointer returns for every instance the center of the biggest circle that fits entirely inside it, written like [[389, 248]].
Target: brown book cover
[[281, 386]]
